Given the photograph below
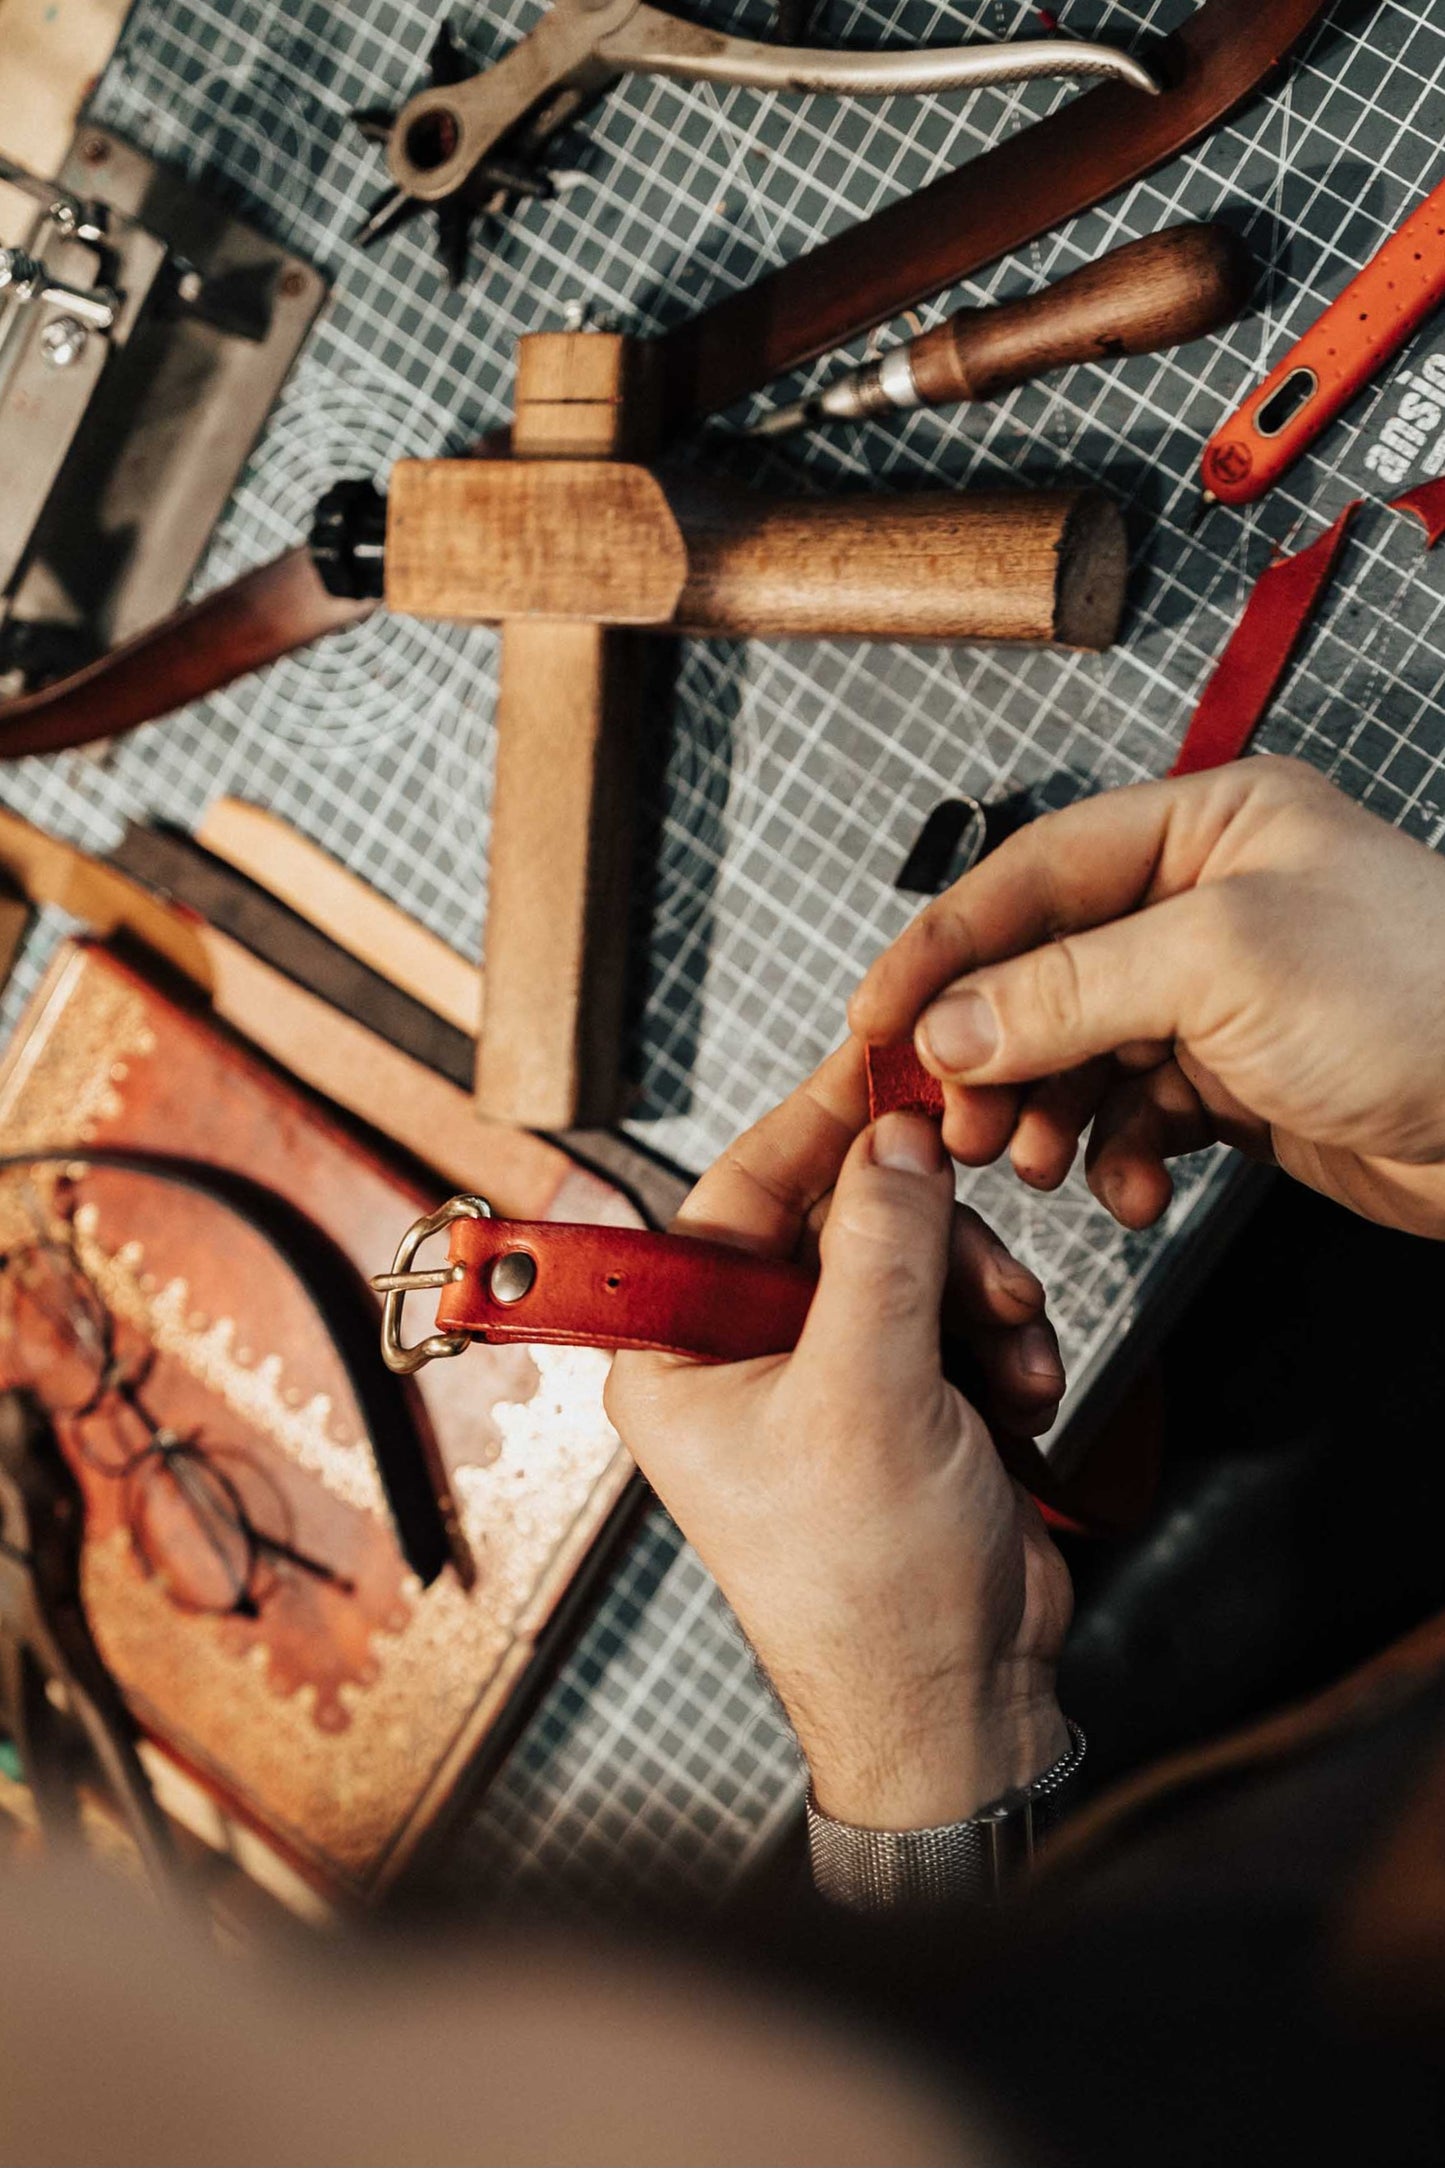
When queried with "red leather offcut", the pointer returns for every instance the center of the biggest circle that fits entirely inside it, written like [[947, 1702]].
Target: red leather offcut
[[619, 1287], [1427, 504], [898, 1083], [1248, 673]]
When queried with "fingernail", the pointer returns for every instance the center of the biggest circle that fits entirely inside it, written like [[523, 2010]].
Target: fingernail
[[960, 1032], [908, 1142], [1023, 1285], [1115, 1185], [1039, 1358]]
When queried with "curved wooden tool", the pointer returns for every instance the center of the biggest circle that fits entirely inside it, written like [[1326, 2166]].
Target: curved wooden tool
[[233, 630]]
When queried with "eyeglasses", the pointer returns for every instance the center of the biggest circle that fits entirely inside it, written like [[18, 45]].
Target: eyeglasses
[[205, 1520]]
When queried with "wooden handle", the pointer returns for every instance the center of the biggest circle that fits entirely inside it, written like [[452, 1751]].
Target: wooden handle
[[330, 897], [1047, 566], [1162, 291], [603, 543]]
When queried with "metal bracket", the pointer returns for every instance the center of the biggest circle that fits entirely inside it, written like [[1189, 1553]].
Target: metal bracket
[[120, 442]]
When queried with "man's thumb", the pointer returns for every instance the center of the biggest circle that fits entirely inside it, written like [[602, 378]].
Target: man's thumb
[[885, 1251]]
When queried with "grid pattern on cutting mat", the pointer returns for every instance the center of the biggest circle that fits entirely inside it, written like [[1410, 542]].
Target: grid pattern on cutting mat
[[798, 773]]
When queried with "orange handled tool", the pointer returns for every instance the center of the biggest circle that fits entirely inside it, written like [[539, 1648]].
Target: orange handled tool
[[1397, 290]]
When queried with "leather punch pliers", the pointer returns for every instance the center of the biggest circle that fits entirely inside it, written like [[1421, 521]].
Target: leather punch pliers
[[476, 139]]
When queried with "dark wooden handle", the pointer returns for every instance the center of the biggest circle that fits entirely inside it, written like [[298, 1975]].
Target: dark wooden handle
[[1045, 565], [1162, 291]]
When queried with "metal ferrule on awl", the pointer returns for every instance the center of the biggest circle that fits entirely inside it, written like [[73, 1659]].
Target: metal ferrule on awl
[[885, 386]]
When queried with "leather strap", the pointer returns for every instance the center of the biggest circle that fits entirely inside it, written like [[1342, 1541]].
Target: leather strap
[[256, 619], [1092, 147], [898, 1083], [621, 1287], [1248, 673]]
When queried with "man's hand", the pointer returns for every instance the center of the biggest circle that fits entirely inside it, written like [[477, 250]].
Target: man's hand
[[899, 1589], [1241, 956]]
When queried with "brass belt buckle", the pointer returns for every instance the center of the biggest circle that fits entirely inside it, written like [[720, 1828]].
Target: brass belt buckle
[[401, 1281]]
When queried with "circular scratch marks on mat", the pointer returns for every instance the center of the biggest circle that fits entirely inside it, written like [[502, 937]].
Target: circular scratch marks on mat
[[387, 678]]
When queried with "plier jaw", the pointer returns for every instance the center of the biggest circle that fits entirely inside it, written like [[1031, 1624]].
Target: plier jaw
[[495, 183]]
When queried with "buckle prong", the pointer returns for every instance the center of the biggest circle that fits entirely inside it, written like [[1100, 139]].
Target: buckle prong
[[401, 1281], [412, 1283]]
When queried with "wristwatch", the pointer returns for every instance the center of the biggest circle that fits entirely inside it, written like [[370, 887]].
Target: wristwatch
[[976, 1862]]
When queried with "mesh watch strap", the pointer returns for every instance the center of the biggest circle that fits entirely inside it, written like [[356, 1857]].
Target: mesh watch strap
[[959, 1863]]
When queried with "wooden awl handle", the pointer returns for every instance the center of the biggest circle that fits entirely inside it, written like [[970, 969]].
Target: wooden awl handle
[[1159, 292], [1162, 291]]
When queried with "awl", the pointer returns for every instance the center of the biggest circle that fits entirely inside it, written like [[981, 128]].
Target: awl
[[1402, 285], [1159, 292]]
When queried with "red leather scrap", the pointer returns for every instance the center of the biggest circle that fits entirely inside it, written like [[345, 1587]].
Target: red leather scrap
[[1260, 650], [1427, 504], [898, 1083]]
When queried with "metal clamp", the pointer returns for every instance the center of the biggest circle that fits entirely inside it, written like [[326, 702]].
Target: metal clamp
[[401, 1281], [25, 279]]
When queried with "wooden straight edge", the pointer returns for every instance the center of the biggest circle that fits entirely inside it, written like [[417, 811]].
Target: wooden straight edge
[[265, 849], [278, 858], [522, 1176], [188, 877], [53, 56], [49, 871], [550, 1051]]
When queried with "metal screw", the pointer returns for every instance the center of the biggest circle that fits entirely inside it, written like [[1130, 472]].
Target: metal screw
[[63, 342], [512, 1276], [21, 272], [293, 282], [25, 278], [95, 150], [189, 287]]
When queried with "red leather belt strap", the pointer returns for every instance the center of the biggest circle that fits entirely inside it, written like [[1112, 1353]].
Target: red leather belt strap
[[898, 1083], [620, 1287]]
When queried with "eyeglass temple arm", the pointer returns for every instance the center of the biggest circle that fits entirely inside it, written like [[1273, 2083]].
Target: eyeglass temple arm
[[42, 1621]]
